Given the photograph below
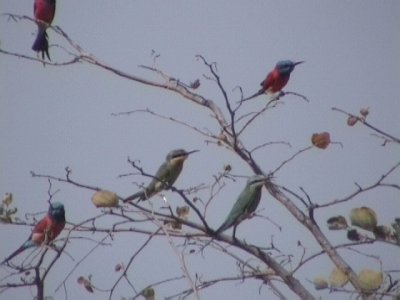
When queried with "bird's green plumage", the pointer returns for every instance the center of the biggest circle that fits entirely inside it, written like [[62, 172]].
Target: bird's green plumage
[[166, 175], [164, 178], [246, 203]]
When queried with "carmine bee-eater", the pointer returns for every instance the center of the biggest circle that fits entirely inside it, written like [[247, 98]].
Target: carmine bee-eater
[[245, 204], [277, 78], [165, 176], [45, 231], [44, 11]]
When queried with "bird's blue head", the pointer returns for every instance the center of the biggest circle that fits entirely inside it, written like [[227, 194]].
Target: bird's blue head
[[57, 211], [285, 67]]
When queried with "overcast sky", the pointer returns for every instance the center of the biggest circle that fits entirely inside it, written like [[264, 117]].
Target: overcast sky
[[53, 117]]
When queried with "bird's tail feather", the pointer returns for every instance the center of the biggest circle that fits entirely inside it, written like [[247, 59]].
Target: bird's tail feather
[[41, 43], [224, 226], [139, 195], [29, 243], [260, 92]]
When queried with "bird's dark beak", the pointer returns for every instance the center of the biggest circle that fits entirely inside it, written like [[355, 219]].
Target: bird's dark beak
[[299, 62], [264, 179], [190, 152]]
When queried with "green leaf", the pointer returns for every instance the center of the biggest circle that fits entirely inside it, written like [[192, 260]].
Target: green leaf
[[148, 293]]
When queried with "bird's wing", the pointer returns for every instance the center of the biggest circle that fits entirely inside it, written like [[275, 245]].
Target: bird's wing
[[40, 230], [55, 230], [46, 230], [239, 210], [268, 81], [154, 186], [161, 176]]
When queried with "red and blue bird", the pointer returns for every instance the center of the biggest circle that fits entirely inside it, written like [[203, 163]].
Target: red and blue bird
[[45, 231], [277, 79], [43, 11]]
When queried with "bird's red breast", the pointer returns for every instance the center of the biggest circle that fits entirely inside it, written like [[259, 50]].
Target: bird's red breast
[[274, 82], [44, 10], [46, 230]]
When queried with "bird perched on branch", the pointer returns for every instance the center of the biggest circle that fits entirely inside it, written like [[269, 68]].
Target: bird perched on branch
[[165, 176], [245, 204], [276, 79], [43, 11], [45, 231]]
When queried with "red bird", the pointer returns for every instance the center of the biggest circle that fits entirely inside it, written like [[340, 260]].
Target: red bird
[[45, 231], [277, 78], [44, 11]]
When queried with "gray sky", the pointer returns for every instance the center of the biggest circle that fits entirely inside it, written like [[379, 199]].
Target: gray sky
[[53, 117]]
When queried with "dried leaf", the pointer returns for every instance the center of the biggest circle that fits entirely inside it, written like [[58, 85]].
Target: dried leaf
[[227, 168], [85, 283], [176, 225], [5, 219], [352, 120], [8, 198], [11, 211], [118, 267], [195, 84], [173, 224], [321, 140], [396, 227], [364, 112], [353, 235], [183, 212], [383, 232], [337, 223], [320, 283]]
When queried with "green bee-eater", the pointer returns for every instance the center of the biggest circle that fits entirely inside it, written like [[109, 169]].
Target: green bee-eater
[[246, 203], [165, 176]]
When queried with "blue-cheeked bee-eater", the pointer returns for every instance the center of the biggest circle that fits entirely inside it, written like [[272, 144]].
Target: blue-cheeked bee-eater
[[165, 176], [245, 204]]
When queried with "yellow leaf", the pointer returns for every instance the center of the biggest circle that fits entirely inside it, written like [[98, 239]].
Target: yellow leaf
[[370, 280], [105, 198], [337, 278], [363, 217]]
